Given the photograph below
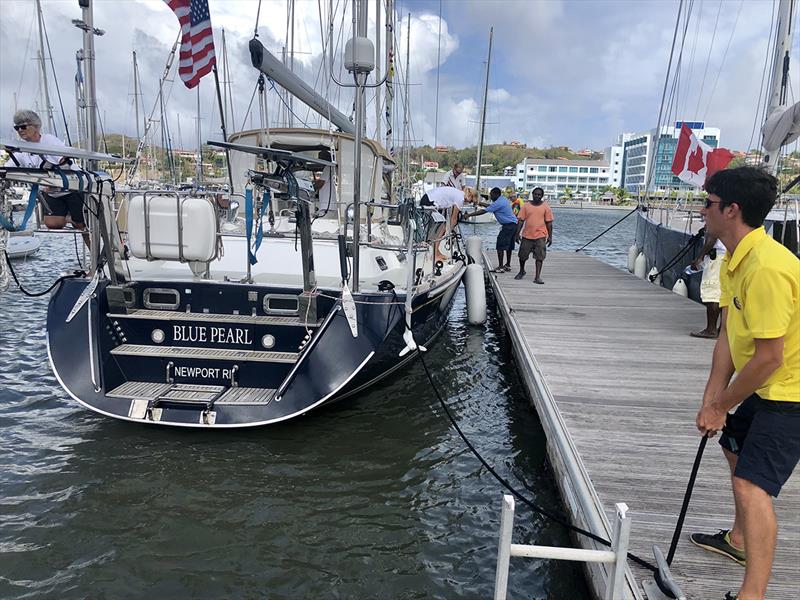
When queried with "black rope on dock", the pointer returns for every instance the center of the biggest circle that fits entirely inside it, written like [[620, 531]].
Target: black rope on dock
[[538, 509], [607, 230]]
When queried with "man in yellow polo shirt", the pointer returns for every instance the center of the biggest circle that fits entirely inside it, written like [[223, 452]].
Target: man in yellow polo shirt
[[760, 342]]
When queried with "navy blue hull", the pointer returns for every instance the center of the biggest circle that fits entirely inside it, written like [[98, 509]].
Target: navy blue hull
[[660, 245], [215, 340]]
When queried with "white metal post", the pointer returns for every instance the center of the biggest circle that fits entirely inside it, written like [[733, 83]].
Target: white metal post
[[619, 545], [504, 548]]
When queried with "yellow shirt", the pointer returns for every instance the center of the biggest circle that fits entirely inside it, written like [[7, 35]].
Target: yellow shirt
[[761, 289]]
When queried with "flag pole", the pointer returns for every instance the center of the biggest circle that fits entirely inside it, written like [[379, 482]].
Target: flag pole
[[222, 125]]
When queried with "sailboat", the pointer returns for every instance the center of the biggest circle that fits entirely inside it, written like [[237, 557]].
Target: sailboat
[[667, 245], [179, 323]]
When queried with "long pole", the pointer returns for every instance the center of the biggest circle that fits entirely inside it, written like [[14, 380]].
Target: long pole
[[45, 89], [136, 93], [406, 140], [438, 68], [389, 98], [361, 16], [199, 143], [780, 71], [222, 126], [378, 69], [483, 114]]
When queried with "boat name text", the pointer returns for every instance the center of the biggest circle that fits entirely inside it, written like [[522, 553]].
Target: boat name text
[[203, 372], [211, 334]]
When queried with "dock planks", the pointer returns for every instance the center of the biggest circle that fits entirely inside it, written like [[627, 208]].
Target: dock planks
[[617, 381]]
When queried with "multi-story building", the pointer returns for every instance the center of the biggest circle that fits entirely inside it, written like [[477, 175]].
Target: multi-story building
[[646, 151], [584, 178]]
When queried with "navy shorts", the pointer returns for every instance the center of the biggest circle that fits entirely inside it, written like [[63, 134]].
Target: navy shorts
[[505, 239], [765, 435], [59, 206]]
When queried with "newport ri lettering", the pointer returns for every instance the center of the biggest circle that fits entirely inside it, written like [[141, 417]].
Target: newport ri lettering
[[211, 334]]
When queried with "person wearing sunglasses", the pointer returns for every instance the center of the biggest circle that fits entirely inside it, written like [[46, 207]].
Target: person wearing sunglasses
[[56, 204], [759, 342]]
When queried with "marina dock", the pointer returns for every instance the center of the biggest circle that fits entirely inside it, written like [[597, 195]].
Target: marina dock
[[617, 381]]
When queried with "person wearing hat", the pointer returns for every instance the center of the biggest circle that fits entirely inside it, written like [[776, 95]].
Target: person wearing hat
[[57, 204]]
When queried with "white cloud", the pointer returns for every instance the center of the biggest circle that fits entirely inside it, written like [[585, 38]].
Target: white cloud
[[563, 73]]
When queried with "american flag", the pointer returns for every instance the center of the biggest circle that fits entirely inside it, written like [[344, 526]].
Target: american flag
[[197, 44]]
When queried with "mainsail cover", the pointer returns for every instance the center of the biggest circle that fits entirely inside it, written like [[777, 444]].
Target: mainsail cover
[[781, 127]]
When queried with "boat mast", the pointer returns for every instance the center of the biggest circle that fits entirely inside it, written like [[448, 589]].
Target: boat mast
[[45, 90], [406, 140], [378, 69], [389, 98], [136, 92], [483, 114], [780, 72]]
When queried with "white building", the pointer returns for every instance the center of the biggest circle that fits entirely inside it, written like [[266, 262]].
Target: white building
[[647, 150], [585, 178]]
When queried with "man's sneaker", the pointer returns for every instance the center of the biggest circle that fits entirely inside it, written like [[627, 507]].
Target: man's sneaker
[[730, 596], [519, 275], [719, 543]]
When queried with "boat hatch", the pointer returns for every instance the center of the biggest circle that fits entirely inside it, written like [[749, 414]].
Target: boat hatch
[[162, 298], [281, 304]]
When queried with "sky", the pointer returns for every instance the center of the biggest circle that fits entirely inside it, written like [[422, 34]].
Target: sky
[[571, 73]]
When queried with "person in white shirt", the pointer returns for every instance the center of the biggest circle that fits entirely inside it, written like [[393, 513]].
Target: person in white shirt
[[443, 198], [456, 178], [325, 185], [57, 205], [710, 289]]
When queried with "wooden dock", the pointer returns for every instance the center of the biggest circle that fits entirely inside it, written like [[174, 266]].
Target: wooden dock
[[617, 380]]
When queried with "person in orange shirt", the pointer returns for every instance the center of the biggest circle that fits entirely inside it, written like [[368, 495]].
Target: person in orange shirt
[[534, 232]]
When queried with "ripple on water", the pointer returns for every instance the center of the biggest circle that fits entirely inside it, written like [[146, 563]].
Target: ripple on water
[[373, 498]]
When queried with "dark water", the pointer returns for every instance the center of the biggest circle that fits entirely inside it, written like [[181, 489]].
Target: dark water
[[374, 498]]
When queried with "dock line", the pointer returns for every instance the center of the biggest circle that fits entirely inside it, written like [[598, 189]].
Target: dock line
[[688, 496], [538, 509], [607, 229], [75, 275]]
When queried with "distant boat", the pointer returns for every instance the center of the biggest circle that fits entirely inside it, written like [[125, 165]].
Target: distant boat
[[22, 246]]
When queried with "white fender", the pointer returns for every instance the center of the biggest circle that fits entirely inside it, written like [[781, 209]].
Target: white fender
[[680, 288], [653, 272], [476, 294], [640, 266], [633, 251], [474, 248]]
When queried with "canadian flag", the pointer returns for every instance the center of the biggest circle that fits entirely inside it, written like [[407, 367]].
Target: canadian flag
[[695, 161]]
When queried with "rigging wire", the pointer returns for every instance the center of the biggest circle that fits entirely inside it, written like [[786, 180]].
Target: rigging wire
[[25, 58], [724, 56], [762, 90], [708, 59], [438, 69], [55, 80]]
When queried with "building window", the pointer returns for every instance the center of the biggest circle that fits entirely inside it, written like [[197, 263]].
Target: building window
[[573, 180], [584, 169], [562, 180], [552, 169], [573, 169], [563, 169], [541, 169], [593, 170]]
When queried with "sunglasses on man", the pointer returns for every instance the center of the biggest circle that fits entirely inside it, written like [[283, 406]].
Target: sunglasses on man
[[22, 127], [709, 202]]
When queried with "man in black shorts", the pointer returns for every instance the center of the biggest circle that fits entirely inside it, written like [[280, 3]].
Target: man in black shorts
[[759, 341]]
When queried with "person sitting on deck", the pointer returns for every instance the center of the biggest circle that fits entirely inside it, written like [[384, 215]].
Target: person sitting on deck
[[57, 204], [760, 342], [502, 211]]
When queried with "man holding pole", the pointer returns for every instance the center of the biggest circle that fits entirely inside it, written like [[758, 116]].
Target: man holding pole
[[759, 341]]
